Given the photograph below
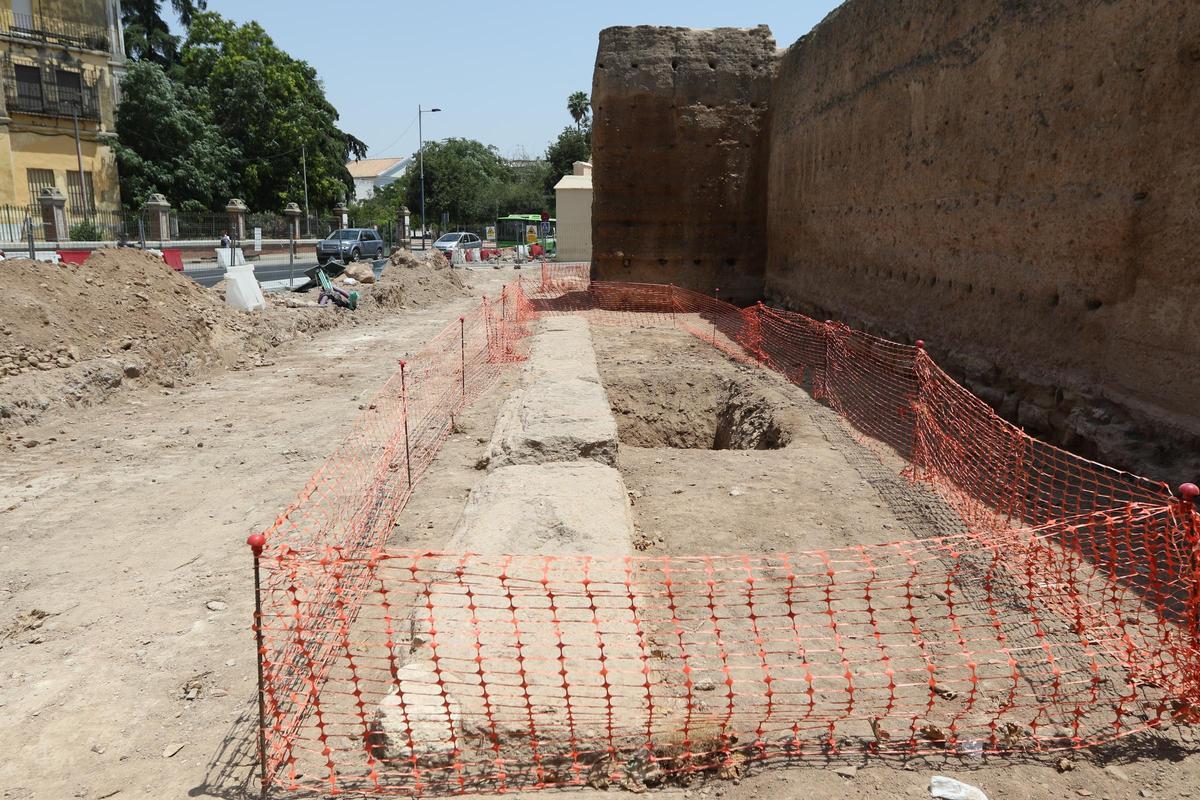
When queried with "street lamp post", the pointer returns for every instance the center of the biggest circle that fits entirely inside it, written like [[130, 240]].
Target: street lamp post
[[421, 159]]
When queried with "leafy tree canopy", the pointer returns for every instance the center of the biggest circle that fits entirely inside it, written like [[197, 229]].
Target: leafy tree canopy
[[169, 144], [573, 144], [273, 107], [266, 108]]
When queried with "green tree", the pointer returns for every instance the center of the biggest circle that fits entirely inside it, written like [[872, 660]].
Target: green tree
[[382, 208], [460, 180], [147, 35], [573, 144], [272, 109], [167, 143], [579, 105]]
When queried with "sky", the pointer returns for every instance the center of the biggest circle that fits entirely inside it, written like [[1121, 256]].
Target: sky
[[501, 75]]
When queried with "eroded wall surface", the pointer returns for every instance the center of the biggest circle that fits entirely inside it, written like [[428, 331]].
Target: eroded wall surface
[[679, 149], [1018, 183]]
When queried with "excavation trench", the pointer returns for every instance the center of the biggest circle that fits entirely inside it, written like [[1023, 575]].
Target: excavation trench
[[682, 407]]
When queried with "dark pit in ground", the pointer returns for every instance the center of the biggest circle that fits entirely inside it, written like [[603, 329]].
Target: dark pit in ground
[[681, 407]]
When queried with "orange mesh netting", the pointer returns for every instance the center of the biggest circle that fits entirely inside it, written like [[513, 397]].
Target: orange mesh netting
[[1055, 607]]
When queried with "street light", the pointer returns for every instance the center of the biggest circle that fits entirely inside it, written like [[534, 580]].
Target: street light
[[421, 159]]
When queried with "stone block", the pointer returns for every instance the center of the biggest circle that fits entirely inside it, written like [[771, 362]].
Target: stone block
[[565, 508], [417, 718], [555, 420]]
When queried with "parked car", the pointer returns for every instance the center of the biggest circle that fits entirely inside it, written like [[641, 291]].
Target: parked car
[[458, 241], [350, 244]]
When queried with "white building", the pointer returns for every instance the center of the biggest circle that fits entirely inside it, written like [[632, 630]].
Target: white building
[[372, 174], [573, 196]]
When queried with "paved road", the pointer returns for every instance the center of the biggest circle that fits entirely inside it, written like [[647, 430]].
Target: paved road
[[274, 277], [210, 276]]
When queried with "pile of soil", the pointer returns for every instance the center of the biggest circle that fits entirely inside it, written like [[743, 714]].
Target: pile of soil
[[416, 281], [70, 335]]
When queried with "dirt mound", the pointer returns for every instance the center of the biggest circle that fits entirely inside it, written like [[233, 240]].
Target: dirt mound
[[416, 281], [429, 258], [72, 334]]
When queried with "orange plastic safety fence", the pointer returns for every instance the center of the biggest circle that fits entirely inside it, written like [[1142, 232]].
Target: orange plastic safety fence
[[1062, 609], [351, 503]]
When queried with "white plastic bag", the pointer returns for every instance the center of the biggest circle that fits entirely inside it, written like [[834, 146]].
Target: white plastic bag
[[950, 789]]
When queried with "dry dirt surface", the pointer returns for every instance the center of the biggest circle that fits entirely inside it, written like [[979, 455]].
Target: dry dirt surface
[[126, 659], [73, 335], [724, 458]]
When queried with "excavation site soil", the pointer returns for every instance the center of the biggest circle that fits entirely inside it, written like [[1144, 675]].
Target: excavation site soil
[[127, 662], [725, 458]]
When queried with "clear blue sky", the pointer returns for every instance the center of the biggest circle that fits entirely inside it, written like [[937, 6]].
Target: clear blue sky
[[380, 58]]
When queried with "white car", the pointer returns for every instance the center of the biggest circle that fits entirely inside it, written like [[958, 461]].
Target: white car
[[458, 241]]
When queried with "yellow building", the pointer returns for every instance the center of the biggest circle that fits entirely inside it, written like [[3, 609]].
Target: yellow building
[[61, 62]]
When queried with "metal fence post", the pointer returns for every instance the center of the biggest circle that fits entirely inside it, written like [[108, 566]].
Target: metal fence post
[[718, 295], [29, 233], [462, 332], [291, 255], [404, 413], [257, 541]]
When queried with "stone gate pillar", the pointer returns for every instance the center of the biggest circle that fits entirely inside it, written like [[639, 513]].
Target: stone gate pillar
[[403, 219], [340, 216], [158, 213], [237, 210], [292, 212], [54, 214]]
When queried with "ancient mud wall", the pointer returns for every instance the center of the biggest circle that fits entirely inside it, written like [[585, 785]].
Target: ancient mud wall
[[679, 154], [1017, 182]]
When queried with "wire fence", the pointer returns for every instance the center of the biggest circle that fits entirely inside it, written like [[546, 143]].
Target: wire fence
[[100, 225], [1058, 608]]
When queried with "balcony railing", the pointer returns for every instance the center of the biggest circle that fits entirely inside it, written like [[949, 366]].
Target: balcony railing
[[52, 101], [41, 28]]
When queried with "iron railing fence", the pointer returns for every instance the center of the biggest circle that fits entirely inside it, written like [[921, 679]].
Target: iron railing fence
[[100, 225], [53, 30]]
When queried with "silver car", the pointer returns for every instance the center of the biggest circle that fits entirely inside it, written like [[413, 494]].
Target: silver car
[[350, 244], [458, 241]]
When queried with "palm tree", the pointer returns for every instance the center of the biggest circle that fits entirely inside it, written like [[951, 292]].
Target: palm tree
[[580, 107], [147, 35]]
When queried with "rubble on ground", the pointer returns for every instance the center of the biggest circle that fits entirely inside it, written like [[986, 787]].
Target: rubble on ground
[[70, 334], [360, 272]]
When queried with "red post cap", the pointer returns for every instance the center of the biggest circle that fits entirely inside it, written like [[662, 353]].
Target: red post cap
[[257, 542], [1188, 491], [462, 319], [402, 363], [920, 344]]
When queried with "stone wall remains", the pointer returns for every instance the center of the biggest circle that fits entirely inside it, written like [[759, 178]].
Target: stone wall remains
[[679, 154], [1016, 182]]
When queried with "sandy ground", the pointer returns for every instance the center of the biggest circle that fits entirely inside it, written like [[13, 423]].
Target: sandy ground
[[126, 660], [822, 489]]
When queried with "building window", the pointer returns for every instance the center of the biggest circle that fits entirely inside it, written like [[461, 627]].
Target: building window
[[29, 87], [70, 89], [39, 179], [81, 197]]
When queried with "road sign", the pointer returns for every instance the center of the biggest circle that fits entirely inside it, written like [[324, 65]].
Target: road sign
[[545, 216], [530, 234], [490, 233], [545, 229]]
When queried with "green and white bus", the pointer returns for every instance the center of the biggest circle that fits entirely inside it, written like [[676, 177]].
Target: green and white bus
[[514, 229]]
